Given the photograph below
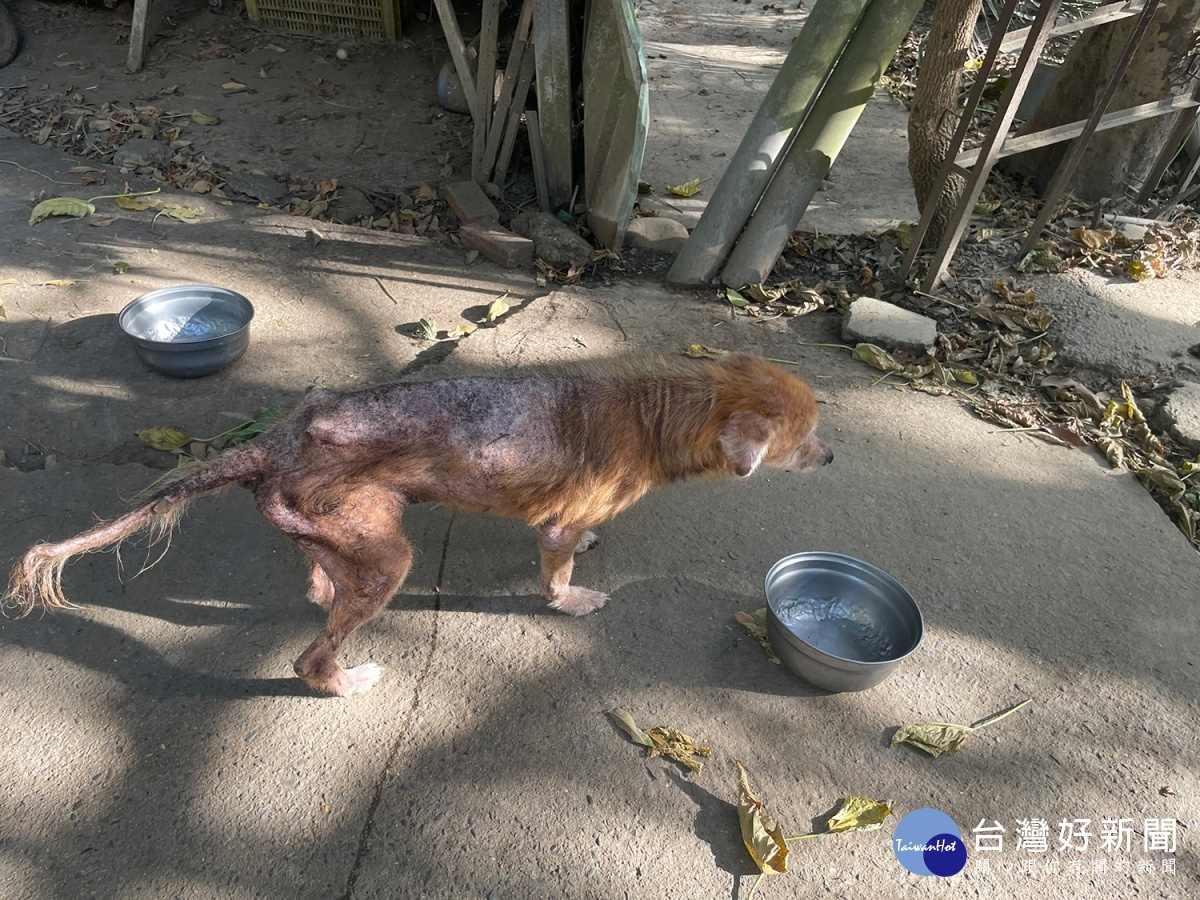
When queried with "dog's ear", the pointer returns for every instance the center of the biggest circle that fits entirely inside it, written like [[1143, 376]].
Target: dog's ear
[[744, 439]]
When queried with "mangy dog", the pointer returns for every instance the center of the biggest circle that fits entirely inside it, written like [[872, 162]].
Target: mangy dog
[[562, 452]]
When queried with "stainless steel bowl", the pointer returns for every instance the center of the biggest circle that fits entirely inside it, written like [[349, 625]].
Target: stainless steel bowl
[[188, 330], [838, 622]]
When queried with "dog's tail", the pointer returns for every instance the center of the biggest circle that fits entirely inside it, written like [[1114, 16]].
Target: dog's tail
[[37, 578]]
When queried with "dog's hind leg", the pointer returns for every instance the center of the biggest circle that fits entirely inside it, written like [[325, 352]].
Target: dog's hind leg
[[362, 583], [320, 588], [559, 546], [353, 538]]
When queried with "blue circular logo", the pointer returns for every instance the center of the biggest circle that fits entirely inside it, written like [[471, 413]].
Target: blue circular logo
[[927, 842]]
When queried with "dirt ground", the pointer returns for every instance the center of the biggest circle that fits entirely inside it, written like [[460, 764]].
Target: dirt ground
[[156, 744]]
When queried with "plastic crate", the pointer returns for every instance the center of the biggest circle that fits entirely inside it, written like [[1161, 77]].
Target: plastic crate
[[360, 18]]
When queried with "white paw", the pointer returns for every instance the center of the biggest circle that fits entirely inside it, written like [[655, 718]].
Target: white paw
[[587, 541], [579, 601]]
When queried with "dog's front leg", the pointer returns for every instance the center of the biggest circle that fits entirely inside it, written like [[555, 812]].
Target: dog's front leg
[[559, 546]]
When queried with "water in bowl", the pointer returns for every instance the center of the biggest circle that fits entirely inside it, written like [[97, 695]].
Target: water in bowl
[[195, 327], [832, 627]]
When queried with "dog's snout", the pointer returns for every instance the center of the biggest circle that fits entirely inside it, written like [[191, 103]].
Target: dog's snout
[[828, 456]]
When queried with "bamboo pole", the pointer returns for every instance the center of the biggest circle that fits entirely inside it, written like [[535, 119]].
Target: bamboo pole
[[820, 139], [788, 100]]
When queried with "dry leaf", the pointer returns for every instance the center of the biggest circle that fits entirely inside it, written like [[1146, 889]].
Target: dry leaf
[[127, 202], [160, 437], [427, 330], [425, 192], [495, 310], [700, 351], [459, 331], [687, 189], [57, 282], [756, 624], [761, 832], [936, 738], [858, 814], [61, 206], [234, 86], [176, 211], [625, 719], [201, 119], [1091, 238], [676, 745], [120, 267]]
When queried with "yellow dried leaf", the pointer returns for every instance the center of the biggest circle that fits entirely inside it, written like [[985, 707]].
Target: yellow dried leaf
[[495, 310], [676, 745], [700, 351], [61, 206], [756, 624], [858, 814], [127, 202], [935, 738], [1091, 238], [761, 832], [178, 211], [876, 358], [735, 298], [460, 331], [201, 119], [58, 282], [1138, 270], [624, 719], [160, 437], [234, 86], [687, 189]]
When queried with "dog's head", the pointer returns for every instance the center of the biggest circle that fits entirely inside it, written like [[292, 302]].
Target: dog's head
[[771, 419]]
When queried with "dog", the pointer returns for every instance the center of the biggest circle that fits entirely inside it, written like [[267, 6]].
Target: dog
[[562, 451]]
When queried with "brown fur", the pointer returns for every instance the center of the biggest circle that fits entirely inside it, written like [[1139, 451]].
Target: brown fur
[[563, 452]]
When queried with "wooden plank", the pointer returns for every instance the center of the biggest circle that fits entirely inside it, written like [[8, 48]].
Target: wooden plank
[[537, 153], [512, 74], [552, 50], [1170, 148], [138, 37], [1102, 15], [514, 117], [1020, 143], [1066, 168], [458, 53], [485, 84], [989, 152]]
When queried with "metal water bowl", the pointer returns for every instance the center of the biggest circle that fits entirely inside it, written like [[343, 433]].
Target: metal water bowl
[[838, 622], [188, 330]]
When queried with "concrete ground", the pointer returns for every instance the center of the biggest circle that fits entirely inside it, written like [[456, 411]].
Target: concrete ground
[[157, 745]]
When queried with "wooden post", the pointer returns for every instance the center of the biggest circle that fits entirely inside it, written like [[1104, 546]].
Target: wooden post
[[551, 43], [788, 101], [137, 37], [820, 139], [485, 85]]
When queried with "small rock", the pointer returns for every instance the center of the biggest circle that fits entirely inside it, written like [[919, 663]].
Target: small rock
[[262, 188], [889, 326], [142, 152], [1180, 415], [351, 205], [553, 242], [656, 233]]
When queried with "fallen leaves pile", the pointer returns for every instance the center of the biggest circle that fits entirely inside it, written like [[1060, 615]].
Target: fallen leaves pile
[[992, 350]]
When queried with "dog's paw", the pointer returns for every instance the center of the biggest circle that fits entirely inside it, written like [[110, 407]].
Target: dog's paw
[[587, 541], [359, 680], [579, 601]]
